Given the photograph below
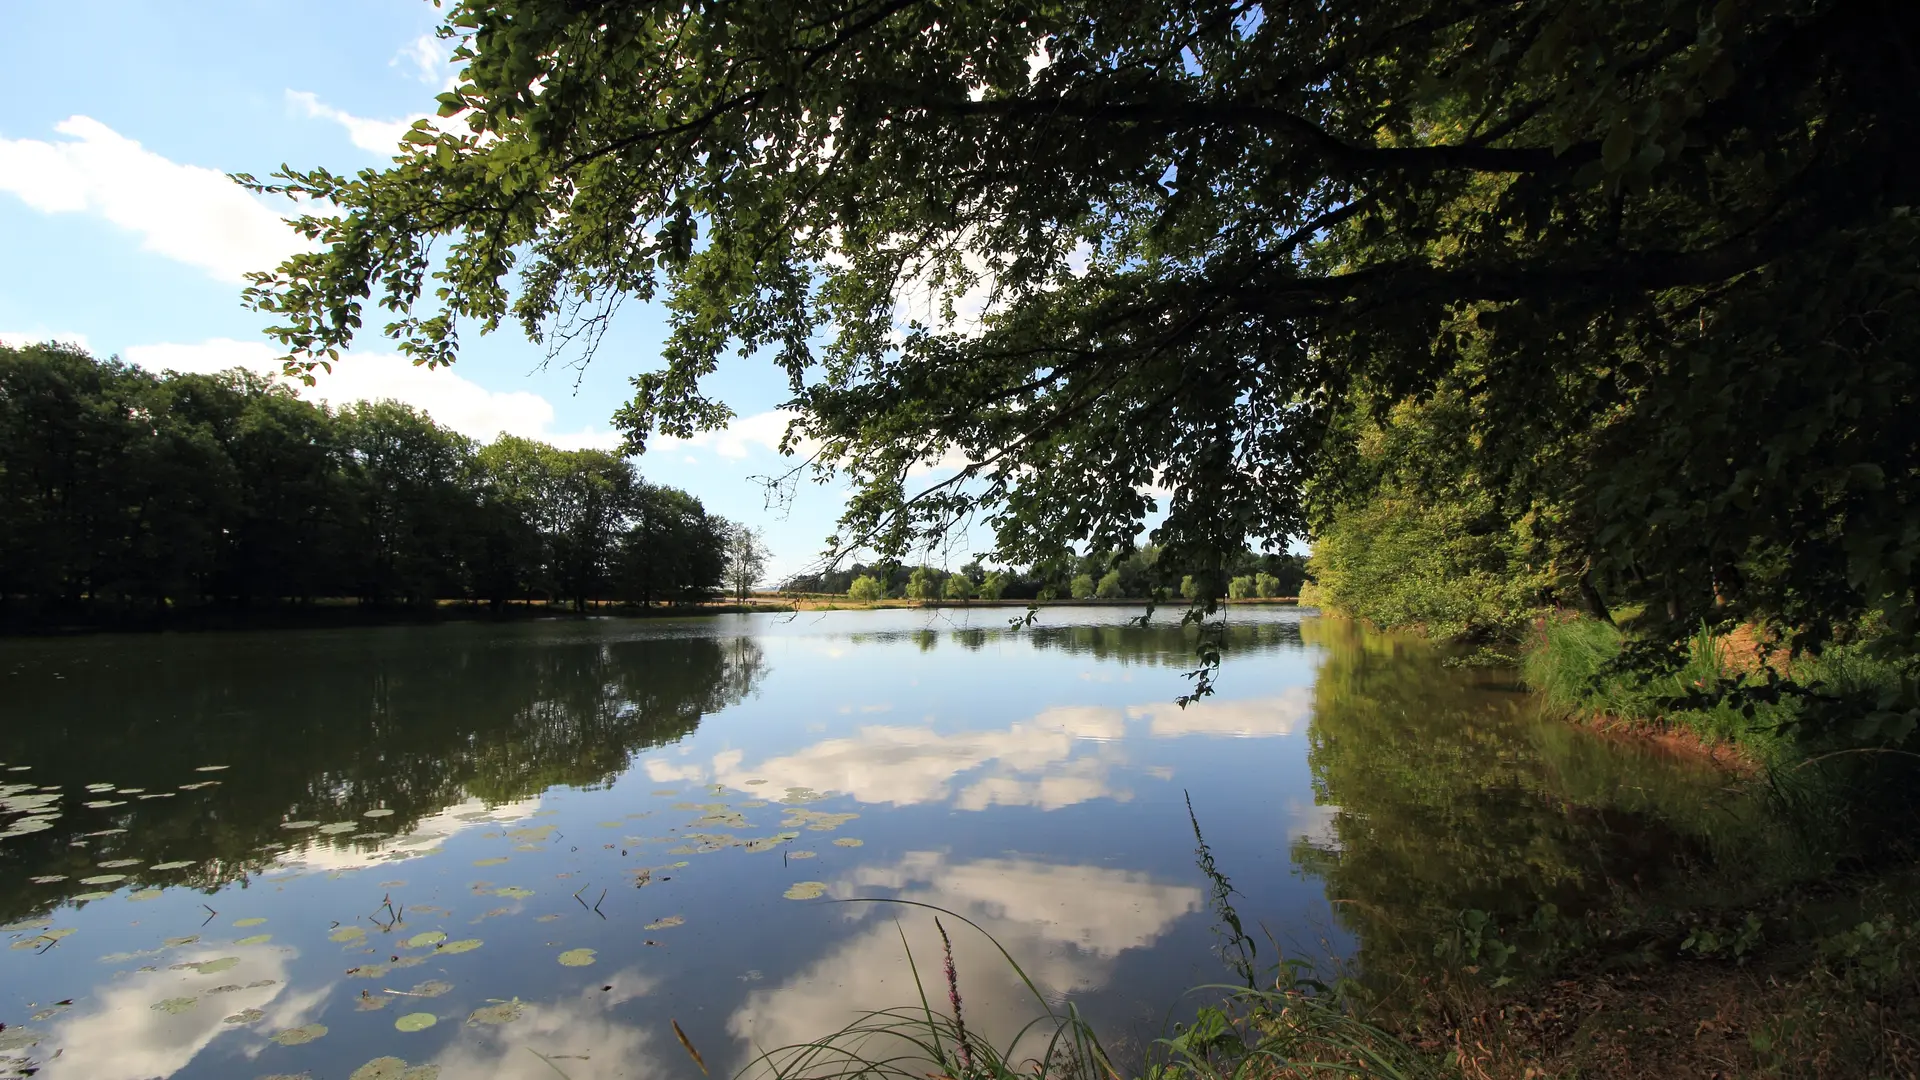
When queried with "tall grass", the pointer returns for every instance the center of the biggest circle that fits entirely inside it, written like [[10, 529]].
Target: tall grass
[[1295, 1030]]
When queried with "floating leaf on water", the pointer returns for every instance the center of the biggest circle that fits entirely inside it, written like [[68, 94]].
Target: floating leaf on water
[[347, 934], [210, 768], [800, 854], [415, 1022], [577, 957], [368, 971], [176, 942], [257, 939], [494, 861], [175, 1005], [848, 841], [432, 988], [378, 813], [546, 918], [532, 834], [753, 804], [115, 864], [253, 920], [103, 879], [198, 786], [370, 1002], [806, 890], [610, 824], [464, 945], [299, 824], [47, 879], [210, 967], [102, 804], [19, 1038], [244, 1016], [393, 1068], [505, 1012], [816, 820], [228, 988], [755, 782], [158, 795], [26, 924], [406, 961], [99, 787], [421, 941], [666, 791], [338, 827], [146, 894], [667, 923], [301, 1035], [513, 892], [180, 865]]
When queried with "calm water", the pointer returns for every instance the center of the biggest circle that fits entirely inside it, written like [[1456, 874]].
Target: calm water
[[271, 854]]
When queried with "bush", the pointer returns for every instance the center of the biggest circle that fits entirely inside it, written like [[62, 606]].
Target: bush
[[866, 589], [1189, 588], [959, 587], [923, 585], [1082, 586], [1109, 587], [994, 587], [1266, 585], [1240, 588]]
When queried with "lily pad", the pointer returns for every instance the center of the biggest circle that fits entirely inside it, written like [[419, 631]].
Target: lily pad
[[505, 1012], [368, 971], [210, 967], [301, 1035], [299, 824], [577, 957], [421, 941], [347, 934], [393, 1068], [244, 1016], [210, 768], [146, 894], [252, 920], [338, 827], [176, 942], [806, 890], [47, 879], [464, 945], [115, 864], [514, 892], [198, 786], [175, 1005], [801, 854], [494, 861], [102, 804], [667, 923], [103, 879], [257, 939], [378, 813], [19, 1038], [415, 1022], [432, 988], [848, 841]]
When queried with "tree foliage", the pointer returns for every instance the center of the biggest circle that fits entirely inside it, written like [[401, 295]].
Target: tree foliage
[[1662, 247], [123, 492]]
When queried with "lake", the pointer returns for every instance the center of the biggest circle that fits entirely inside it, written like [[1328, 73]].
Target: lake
[[522, 850]]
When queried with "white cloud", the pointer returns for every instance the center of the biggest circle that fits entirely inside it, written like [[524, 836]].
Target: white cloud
[[430, 58], [740, 437], [1065, 925], [121, 1036], [1281, 714], [22, 339], [426, 837], [185, 212], [588, 1030], [376, 136], [457, 402]]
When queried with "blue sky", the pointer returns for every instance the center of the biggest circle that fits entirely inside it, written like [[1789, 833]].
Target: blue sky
[[119, 231]]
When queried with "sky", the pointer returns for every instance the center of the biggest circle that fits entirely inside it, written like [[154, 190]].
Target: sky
[[120, 231]]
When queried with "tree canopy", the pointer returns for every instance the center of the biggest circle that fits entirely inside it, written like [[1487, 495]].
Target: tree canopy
[[123, 492], [1170, 257]]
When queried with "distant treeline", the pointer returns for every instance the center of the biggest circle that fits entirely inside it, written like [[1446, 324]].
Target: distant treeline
[[123, 492], [1139, 574]]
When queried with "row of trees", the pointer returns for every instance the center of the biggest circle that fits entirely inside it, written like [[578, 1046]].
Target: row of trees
[[123, 491], [1139, 574]]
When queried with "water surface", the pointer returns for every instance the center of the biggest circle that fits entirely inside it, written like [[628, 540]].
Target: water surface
[[245, 855]]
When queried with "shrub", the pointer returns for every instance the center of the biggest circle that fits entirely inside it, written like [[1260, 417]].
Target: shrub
[[1082, 586], [866, 589], [1240, 588], [1109, 587], [1266, 585], [959, 587]]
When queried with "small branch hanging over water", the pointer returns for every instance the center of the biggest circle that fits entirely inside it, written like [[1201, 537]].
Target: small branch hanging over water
[[1238, 950]]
